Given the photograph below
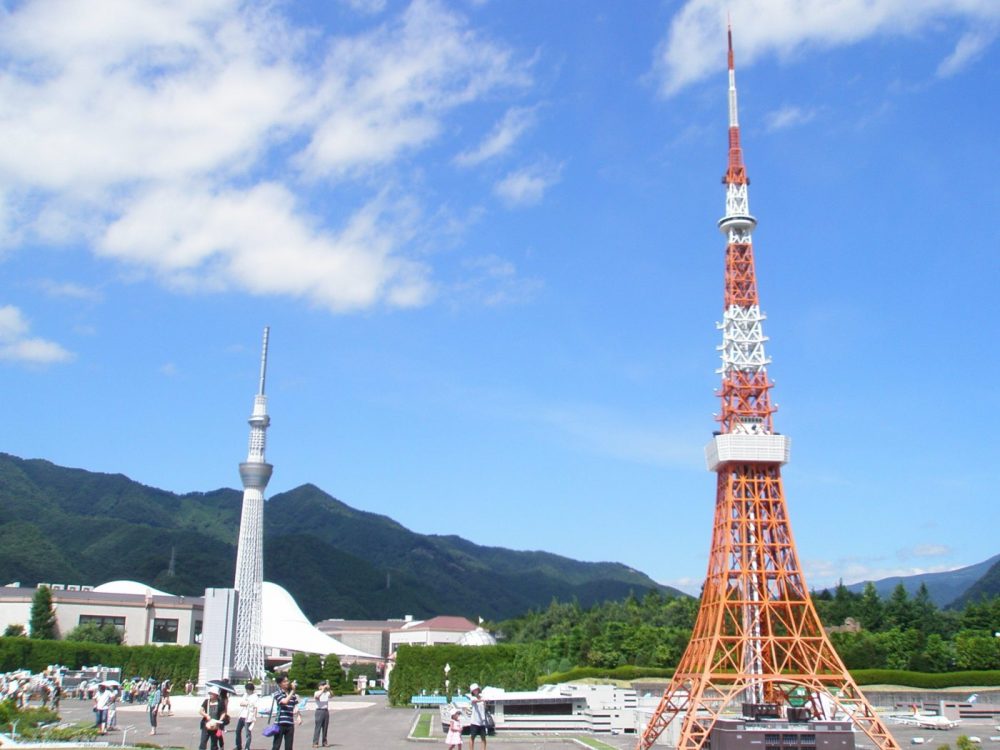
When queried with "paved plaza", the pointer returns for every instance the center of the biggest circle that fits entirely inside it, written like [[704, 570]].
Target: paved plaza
[[356, 723]]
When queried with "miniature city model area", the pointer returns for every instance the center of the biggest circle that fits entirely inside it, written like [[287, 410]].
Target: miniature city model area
[[758, 640]]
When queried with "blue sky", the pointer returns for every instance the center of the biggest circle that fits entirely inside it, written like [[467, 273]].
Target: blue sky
[[484, 235]]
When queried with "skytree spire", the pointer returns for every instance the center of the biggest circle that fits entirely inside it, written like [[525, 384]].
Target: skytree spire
[[255, 473]]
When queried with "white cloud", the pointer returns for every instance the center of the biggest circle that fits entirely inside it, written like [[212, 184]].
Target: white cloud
[[386, 92], [925, 550], [786, 27], [787, 117], [969, 47], [504, 134], [258, 240], [173, 135], [528, 185], [825, 573], [17, 346]]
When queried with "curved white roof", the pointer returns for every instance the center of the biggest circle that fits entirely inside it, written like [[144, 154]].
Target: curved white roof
[[129, 587], [477, 637], [284, 626]]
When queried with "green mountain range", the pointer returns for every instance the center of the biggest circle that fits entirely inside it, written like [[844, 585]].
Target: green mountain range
[[63, 525]]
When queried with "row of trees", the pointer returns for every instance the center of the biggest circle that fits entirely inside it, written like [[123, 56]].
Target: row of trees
[[900, 632]]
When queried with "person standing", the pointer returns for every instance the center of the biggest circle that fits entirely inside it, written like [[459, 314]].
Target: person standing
[[153, 706], [477, 727], [322, 698], [454, 738], [213, 720], [286, 701], [248, 715], [168, 710]]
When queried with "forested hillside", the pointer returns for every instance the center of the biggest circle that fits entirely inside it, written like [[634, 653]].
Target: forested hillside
[[62, 525]]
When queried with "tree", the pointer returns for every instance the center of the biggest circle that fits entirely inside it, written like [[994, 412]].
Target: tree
[[870, 610], [93, 633], [43, 616], [14, 630]]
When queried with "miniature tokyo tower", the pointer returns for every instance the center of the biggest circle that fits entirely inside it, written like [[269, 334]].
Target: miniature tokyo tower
[[757, 640]]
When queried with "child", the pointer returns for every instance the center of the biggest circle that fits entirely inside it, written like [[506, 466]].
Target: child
[[454, 738]]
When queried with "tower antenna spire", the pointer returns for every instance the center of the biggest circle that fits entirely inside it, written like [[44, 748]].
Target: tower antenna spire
[[757, 639], [263, 361]]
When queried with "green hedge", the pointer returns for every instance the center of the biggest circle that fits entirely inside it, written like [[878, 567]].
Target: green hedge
[[926, 680], [421, 668], [627, 672], [177, 663]]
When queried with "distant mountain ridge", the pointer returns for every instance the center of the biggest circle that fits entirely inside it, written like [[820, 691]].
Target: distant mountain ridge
[[73, 526], [946, 588]]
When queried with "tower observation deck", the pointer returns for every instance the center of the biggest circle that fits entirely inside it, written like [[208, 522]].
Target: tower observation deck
[[757, 639]]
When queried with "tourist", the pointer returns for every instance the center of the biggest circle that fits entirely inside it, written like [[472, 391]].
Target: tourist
[[101, 700], [167, 709], [248, 715], [477, 727], [322, 698], [287, 702], [188, 687], [153, 706], [213, 720], [454, 738]]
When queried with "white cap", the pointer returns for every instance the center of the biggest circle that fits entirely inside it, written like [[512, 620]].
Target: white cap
[[473, 687]]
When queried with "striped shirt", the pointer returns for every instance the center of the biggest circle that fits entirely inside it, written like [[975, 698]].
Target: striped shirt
[[286, 711]]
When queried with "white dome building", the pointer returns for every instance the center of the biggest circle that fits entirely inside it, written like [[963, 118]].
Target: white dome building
[[477, 637]]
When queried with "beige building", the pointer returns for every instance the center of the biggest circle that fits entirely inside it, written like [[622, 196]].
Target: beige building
[[383, 637], [143, 615]]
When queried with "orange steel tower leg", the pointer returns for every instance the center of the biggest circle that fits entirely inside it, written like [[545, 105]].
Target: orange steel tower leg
[[757, 638]]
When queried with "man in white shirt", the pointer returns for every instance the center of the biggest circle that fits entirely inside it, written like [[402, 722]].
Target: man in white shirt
[[247, 717], [102, 699]]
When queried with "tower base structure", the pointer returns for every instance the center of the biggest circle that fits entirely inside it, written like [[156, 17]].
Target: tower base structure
[[218, 635]]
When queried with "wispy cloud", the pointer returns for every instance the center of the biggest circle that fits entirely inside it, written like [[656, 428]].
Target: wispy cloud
[[787, 117], [788, 27], [515, 122], [493, 281], [175, 139], [969, 47], [17, 345], [369, 7], [69, 290], [924, 550], [826, 573], [528, 185]]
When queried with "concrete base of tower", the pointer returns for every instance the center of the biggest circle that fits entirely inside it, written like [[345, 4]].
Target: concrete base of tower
[[756, 449]]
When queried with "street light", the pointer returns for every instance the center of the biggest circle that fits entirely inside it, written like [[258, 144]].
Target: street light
[[447, 669]]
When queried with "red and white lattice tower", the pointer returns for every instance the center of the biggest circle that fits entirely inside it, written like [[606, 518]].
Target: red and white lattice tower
[[757, 638]]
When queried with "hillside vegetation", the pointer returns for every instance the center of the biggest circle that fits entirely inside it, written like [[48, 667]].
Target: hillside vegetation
[[73, 526]]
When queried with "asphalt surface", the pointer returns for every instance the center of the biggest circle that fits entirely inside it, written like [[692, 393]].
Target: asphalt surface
[[356, 723]]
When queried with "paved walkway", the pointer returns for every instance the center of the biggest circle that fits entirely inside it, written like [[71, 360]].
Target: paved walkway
[[356, 723]]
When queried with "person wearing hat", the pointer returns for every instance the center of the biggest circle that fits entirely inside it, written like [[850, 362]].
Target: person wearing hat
[[322, 697], [477, 727], [213, 719], [454, 738]]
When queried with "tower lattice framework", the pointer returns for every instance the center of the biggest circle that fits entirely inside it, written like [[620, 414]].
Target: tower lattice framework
[[255, 472], [757, 637]]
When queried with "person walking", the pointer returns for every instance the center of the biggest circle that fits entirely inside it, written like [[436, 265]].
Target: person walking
[[454, 738], [322, 698], [102, 698], [477, 727], [248, 715], [153, 706], [286, 701]]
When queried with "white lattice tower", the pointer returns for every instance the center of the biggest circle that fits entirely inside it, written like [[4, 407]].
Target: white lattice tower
[[255, 472]]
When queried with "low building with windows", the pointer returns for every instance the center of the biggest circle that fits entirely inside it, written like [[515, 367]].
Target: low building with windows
[[383, 637], [143, 615]]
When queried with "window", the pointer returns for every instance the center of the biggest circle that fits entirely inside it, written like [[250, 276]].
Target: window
[[102, 620], [164, 630]]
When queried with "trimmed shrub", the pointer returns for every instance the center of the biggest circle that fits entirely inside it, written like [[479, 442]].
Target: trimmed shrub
[[926, 680]]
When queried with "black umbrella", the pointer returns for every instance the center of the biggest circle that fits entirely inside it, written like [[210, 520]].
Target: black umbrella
[[223, 685]]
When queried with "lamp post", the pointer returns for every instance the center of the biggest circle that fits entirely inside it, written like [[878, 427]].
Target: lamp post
[[447, 669]]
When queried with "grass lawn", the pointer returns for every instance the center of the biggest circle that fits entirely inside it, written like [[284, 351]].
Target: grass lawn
[[597, 744], [422, 729]]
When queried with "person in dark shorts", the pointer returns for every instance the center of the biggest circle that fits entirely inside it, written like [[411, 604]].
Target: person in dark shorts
[[285, 700], [477, 727]]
